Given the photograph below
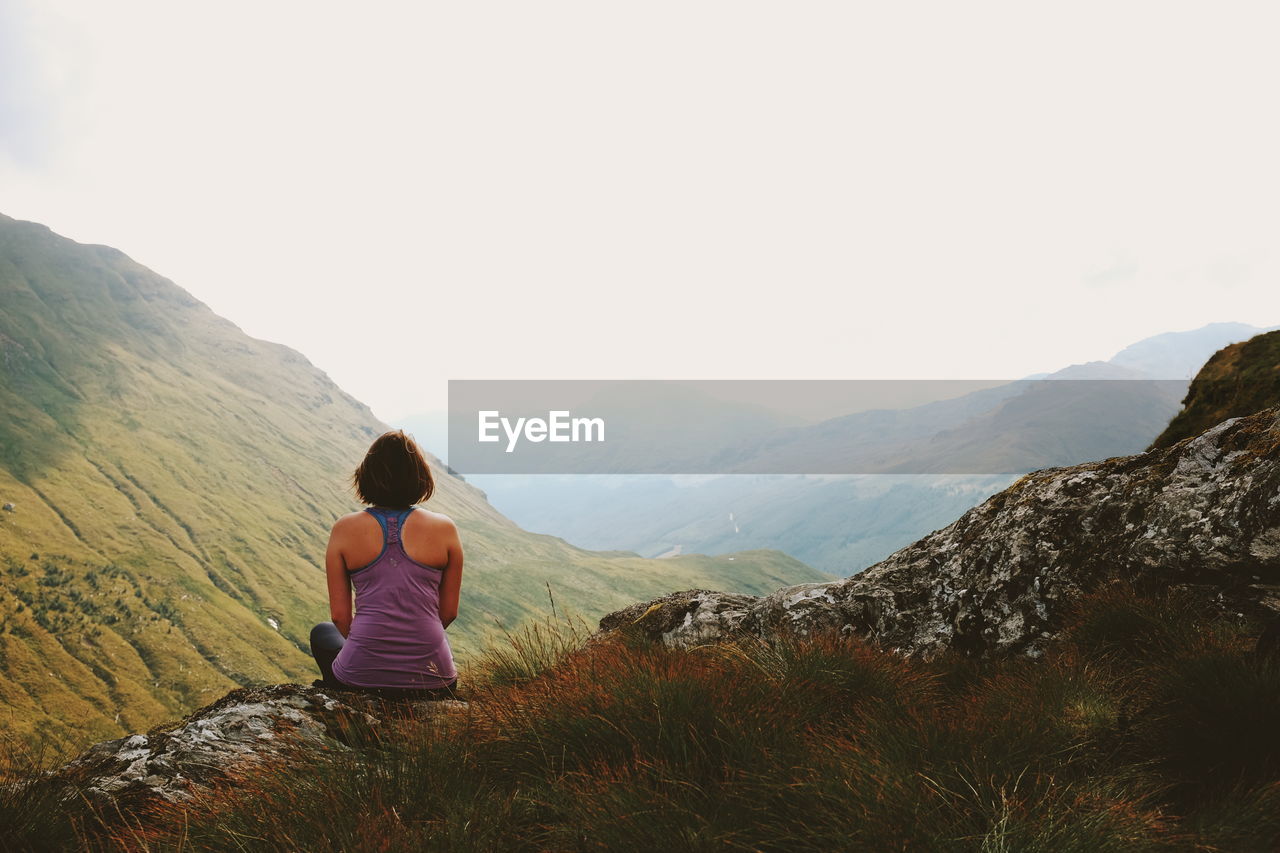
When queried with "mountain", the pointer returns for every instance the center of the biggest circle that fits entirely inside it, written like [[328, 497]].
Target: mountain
[[1238, 380], [1084, 411], [170, 483], [843, 524], [1199, 515], [1179, 355], [1071, 416]]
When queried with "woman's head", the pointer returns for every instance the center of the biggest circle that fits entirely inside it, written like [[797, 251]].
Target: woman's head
[[394, 472]]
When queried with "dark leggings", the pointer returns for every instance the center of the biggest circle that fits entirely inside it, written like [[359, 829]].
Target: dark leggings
[[326, 642]]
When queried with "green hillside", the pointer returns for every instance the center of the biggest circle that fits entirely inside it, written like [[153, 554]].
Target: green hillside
[[1238, 380], [173, 482]]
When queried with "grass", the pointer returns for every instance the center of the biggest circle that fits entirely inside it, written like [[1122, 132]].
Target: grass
[[1237, 380], [517, 657], [1148, 726]]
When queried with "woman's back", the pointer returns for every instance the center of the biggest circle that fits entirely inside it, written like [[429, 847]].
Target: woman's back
[[397, 639]]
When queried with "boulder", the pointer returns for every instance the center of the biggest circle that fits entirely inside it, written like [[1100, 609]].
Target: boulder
[[1202, 514], [249, 727]]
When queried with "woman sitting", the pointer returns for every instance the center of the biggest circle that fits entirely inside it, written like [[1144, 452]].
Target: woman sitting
[[405, 565]]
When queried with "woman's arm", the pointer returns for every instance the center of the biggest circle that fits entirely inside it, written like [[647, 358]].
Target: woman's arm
[[335, 569], [451, 582]]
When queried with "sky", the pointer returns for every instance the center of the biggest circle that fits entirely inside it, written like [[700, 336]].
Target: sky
[[409, 193]]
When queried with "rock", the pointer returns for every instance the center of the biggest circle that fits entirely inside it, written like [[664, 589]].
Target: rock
[[683, 618], [8, 507], [1202, 514], [247, 727]]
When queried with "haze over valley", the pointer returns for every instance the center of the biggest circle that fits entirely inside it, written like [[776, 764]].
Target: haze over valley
[[842, 524]]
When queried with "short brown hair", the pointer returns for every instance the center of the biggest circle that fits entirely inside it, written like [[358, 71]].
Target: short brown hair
[[394, 472]]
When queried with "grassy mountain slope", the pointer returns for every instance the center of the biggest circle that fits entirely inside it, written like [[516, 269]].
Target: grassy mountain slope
[[173, 481], [1238, 380]]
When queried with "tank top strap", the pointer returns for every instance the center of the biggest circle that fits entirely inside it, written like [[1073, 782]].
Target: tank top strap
[[382, 522], [395, 524], [391, 521]]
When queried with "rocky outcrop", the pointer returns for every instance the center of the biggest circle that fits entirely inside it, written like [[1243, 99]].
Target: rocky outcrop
[[1204, 513], [246, 729]]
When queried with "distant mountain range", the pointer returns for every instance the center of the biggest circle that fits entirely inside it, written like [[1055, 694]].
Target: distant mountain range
[[843, 524], [169, 484], [1180, 355]]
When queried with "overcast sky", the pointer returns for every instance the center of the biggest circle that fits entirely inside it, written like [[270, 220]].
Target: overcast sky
[[412, 192]]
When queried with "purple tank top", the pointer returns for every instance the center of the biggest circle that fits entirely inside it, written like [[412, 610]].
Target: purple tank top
[[396, 637]]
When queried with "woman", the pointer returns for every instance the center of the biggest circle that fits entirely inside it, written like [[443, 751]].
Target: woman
[[405, 565]]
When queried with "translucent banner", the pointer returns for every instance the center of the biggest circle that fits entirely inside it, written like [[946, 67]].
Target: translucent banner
[[800, 426]]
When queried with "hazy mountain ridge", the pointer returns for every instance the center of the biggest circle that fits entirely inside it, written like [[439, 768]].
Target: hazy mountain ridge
[[1181, 355], [844, 524], [173, 481]]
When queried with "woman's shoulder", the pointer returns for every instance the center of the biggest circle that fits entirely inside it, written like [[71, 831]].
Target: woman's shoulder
[[435, 519], [351, 519]]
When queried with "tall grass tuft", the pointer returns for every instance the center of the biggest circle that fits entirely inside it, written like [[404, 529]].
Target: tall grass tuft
[[535, 647], [1213, 722], [36, 813]]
